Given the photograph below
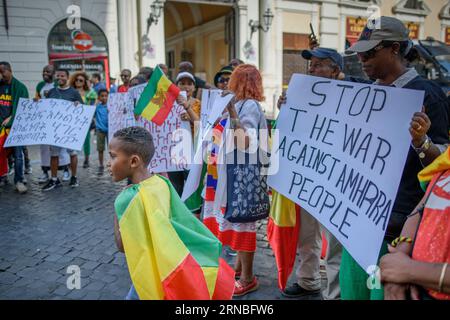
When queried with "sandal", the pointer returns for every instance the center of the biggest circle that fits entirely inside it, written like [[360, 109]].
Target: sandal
[[241, 288]]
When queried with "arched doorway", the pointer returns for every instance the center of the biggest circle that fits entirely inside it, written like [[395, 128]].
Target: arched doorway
[[85, 49]]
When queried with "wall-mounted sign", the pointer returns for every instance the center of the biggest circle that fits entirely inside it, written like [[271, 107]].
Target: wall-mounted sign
[[414, 30], [354, 27], [82, 41]]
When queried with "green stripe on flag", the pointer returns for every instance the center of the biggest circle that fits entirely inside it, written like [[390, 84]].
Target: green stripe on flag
[[202, 244], [149, 91]]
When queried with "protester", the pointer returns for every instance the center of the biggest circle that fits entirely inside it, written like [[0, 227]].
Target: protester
[[79, 81], [183, 252], [11, 90], [96, 80], [42, 90], [244, 115], [164, 69], [384, 60], [418, 260], [222, 78], [186, 66], [137, 80], [125, 75], [101, 126], [64, 92], [112, 85], [186, 82], [146, 72], [325, 63]]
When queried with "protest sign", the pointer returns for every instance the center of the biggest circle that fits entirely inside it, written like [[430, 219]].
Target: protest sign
[[50, 121], [172, 140], [120, 113], [341, 148]]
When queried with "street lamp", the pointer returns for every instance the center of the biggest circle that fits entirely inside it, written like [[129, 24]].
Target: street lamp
[[155, 13], [255, 25]]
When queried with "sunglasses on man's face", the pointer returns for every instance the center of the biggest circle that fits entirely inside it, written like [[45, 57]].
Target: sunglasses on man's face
[[371, 53]]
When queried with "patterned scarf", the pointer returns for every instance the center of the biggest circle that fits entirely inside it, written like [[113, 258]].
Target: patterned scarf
[[211, 171]]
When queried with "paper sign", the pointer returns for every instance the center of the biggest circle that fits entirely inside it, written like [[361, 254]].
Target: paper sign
[[120, 113], [50, 121], [172, 140], [341, 148]]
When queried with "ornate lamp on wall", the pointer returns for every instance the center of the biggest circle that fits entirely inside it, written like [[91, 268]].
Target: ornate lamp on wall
[[255, 25], [155, 13]]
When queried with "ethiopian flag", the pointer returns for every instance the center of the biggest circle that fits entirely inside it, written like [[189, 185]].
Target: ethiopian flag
[[440, 164], [157, 99], [170, 254], [282, 232]]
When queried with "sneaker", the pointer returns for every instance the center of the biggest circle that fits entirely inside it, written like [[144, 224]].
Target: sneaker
[[73, 182], [20, 187], [86, 164], [43, 179], [241, 288], [231, 252], [10, 171], [28, 170], [66, 176], [295, 291], [24, 180], [101, 170], [52, 184]]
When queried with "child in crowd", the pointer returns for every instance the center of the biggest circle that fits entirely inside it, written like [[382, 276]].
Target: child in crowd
[[166, 247], [101, 126]]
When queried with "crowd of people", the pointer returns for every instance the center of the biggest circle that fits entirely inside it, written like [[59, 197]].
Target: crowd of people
[[416, 248]]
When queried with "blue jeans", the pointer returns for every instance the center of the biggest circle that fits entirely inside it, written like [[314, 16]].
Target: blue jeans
[[132, 294], [18, 164]]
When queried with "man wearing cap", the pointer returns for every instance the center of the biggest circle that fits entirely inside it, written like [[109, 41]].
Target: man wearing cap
[[325, 63], [383, 46], [222, 77]]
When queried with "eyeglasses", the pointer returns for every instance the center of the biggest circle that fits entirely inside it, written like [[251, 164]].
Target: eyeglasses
[[79, 80], [371, 53], [224, 80]]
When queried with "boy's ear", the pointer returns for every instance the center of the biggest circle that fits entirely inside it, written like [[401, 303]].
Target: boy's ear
[[135, 161]]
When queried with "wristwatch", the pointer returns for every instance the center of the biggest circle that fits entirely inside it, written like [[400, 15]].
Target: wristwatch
[[423, 148]]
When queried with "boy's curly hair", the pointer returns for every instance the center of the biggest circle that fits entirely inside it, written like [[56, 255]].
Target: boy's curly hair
[[136, 140]]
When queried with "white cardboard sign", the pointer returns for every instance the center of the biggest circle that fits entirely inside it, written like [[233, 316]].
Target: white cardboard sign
[[341, 148]]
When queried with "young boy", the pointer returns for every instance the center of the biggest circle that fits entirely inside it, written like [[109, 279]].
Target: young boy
[[166, 247], [101, 126]]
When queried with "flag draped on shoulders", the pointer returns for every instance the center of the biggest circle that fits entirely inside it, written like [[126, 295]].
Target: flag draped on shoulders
[[170, 254], [157, 99], [283, 232]]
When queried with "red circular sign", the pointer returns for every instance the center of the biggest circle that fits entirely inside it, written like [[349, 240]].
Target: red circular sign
[[82, 41]]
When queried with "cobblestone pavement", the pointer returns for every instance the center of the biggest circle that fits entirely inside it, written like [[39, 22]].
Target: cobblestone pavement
[[41, 234]]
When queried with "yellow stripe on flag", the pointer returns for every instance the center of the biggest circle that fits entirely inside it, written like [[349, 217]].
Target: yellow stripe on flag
[[210, 277], [160, 95], [282, 210]]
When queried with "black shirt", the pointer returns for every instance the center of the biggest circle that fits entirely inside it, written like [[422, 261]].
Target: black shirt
[[409, 192], [6, 103], [69, 94]]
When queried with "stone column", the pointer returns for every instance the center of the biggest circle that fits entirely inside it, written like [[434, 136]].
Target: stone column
[[329, 24], [128, 45]]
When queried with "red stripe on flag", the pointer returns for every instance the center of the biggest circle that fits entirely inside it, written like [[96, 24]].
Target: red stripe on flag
[[170, 97], [224, 288], [283, 241], [186, 282]]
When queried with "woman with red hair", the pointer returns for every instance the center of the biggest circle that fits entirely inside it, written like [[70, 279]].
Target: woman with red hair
[[245, 116]]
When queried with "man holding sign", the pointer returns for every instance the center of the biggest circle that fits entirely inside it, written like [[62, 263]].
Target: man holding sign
[[382, 48], [64, 92]]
